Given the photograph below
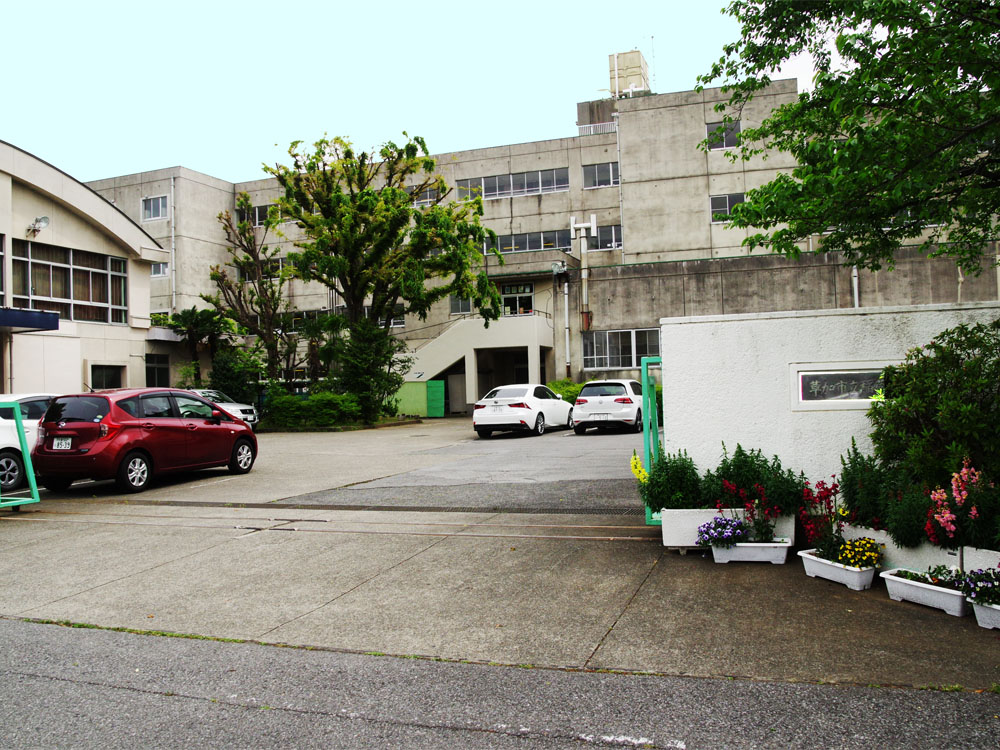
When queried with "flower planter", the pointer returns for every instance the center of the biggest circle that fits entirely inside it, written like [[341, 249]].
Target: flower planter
[[680, 527], [903, 590], [987, 615], [857, 579], [775, 552], [923, 556]]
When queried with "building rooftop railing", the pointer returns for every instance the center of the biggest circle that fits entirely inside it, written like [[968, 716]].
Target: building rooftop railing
[[598, 127]]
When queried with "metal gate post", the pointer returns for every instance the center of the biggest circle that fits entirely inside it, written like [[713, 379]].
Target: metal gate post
[[29, 470], [650, 424]]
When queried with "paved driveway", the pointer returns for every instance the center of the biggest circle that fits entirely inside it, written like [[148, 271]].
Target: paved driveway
[[436, 464]]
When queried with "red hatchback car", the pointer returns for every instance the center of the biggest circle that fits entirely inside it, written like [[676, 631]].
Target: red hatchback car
[[131, 434]]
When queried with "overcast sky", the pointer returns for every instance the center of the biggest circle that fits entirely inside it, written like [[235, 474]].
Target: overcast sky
[[100, 89]]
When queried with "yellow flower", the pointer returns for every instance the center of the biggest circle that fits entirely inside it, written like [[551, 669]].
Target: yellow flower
[[640, 473]]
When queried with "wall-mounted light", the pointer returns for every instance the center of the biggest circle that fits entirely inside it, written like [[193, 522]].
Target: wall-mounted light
[[37, 225]]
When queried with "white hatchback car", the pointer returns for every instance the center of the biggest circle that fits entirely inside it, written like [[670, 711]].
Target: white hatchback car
[[608, 403], [526, 407], [32, 407]]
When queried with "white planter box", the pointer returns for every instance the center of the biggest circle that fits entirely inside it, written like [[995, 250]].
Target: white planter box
[[987, 615], [924, 556], [903, 590], [857, 579], [775, 552], [680, 527]]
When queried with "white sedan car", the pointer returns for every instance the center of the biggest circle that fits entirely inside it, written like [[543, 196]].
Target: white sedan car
[[608, 403], [527, 407]]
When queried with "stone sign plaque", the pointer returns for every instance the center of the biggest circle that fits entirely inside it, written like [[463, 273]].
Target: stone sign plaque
[[839, 386]]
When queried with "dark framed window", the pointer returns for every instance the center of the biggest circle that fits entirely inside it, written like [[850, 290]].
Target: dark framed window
[[105, 376], [722, 205], [600, 175], [721, 136], [158, 370]]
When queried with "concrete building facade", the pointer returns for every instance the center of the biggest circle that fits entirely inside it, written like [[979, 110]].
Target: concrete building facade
[[579, 303]]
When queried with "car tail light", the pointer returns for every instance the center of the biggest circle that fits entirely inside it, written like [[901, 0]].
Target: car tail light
[[623, 400], [479, 406], [40, 435], [518, 405], [108, 428], [580, 401]]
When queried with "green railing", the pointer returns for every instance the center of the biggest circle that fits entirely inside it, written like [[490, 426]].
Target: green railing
[[650, 426], [29, 470]]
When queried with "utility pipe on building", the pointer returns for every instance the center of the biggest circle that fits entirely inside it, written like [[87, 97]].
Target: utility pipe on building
[[173, 251], [590, 228]]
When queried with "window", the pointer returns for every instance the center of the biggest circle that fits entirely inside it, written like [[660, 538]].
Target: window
[[425, 197], [78, 285], [158, 269], [512, 185], [559, 239], [719, 139], [398, 319], [156, 406], [105, 376], [722, 205], [154, 209], [270, 268], [600, 175], [518, 299], [603, 350], [157, 371], [460, 306], [192, 408], [608, 238], [257, 216]]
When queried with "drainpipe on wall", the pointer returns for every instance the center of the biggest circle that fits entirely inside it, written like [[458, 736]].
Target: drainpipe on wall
[[961, 280], [173, 252], [621, 202], [566, 320], [855, 286], [584, 270]]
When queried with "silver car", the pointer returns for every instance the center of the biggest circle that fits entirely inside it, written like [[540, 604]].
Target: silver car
[[246, 412], [608, 403]]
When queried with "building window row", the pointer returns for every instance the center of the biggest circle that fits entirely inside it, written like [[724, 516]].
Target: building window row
[[722, 205], [607, 350], [425, 197], [517, 299], [76, 284], [257, 215], [722, 136], [269, 269], [559, 239], [510, 185], [608, 238], [600, 175], [398, 318]]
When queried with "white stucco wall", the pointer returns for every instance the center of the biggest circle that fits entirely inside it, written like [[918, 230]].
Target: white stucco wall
[[731, 378]]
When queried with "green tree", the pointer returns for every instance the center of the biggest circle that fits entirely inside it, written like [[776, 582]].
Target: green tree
[[365, 237], [898, 144], [251, 288], [195, 327]]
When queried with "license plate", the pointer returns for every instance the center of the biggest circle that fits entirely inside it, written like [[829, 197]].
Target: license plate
[[496, 409], [600, 417], [62, 444]]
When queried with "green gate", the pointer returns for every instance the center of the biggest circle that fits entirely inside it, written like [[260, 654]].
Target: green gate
[[650, 426]]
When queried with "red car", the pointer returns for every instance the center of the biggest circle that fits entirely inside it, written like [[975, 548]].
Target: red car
[[131, 434]]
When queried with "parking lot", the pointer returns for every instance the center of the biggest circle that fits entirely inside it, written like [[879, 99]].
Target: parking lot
[[430, 464]]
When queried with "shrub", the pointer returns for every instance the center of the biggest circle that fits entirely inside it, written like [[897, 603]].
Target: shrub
[[942, 405], [236, 372], [745, 469], [326, 409], [866, 487], [565, 388], [906, 516], [284, 411], [673, 483]]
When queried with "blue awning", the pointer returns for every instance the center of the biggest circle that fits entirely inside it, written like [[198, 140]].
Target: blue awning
[[15, 320]]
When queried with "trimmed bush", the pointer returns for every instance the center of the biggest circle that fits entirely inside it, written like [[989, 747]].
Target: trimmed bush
[[284, 412], [565, 388], [782, 487], [328, 409]]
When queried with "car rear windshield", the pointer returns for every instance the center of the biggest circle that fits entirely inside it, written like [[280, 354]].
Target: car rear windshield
[[77, 409], [507, 393], [602, 389]]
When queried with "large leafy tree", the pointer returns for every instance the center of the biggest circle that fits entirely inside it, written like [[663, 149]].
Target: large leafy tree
[[379, 229], [251, 288], [196, 327], [899, 142]]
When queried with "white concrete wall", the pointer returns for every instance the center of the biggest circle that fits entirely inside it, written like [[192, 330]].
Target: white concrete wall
[[731, 378]]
